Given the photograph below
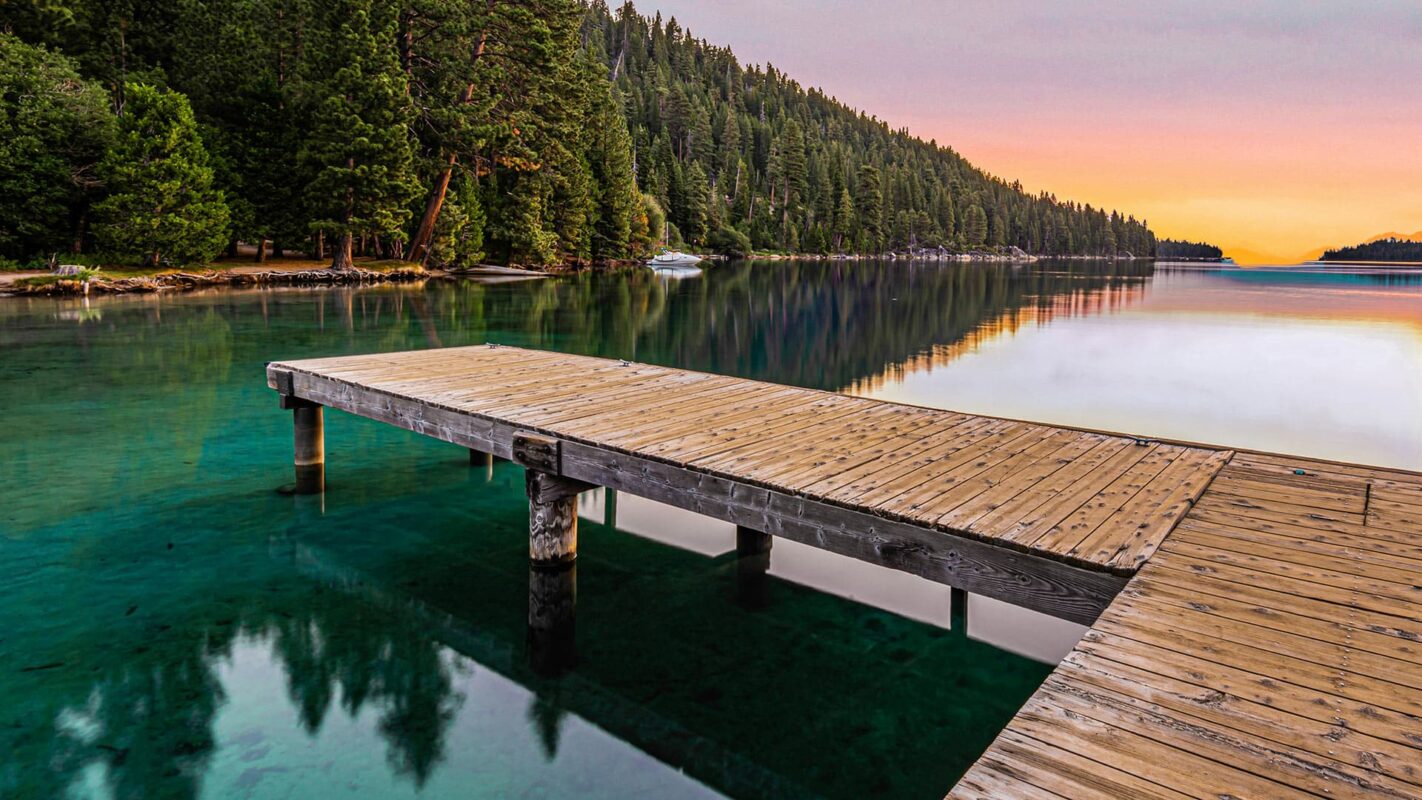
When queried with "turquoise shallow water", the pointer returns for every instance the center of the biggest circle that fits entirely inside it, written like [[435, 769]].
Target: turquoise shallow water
[[174, 627]]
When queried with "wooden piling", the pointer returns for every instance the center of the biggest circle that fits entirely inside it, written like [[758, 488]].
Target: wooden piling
[[752, 568], [609, 507], [958, 612], [552, 518], [552, 499], [310, 444], [751, 542]]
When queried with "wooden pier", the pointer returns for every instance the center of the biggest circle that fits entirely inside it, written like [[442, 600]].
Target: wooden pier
[[1271, 648], [1262, 615]]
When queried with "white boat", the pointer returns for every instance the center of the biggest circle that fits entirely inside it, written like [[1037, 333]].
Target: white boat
[[673, 258]]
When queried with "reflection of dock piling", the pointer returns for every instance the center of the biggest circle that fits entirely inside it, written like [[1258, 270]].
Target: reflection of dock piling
[[552, 607]]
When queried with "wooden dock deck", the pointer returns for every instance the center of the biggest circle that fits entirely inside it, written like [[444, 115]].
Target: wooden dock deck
[[1262, 624], [1271, 648], [1046, 517]]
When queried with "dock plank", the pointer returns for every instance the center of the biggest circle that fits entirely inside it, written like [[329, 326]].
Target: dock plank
[[1275, 634]]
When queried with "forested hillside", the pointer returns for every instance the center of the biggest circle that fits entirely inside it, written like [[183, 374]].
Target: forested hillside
[[1177, 249], [1391, 249], [720, 144], [453, 131]]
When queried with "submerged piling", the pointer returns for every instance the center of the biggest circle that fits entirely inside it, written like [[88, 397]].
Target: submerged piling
[[308, 425]]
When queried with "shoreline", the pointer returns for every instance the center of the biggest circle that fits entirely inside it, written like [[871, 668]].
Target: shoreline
[[34, 283], [44, 284]]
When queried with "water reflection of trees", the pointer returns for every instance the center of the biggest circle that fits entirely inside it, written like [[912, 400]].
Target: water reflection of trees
[[820, 324], [145, 723]]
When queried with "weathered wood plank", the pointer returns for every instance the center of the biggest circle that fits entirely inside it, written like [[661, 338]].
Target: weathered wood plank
[[1031, 581], [1271, 635]]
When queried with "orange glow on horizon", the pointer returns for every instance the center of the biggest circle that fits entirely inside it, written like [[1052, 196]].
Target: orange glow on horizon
[[1273, 130], [1267, 193]]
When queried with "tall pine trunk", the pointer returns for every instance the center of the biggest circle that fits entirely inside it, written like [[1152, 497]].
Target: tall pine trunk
[[424, 234], [420, 245], [342, 258]]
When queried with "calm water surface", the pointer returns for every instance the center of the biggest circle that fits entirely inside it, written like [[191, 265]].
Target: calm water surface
[[176, 628]]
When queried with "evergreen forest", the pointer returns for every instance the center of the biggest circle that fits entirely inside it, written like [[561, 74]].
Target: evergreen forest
[[1391, 249], [454, 132], [1173, 249]]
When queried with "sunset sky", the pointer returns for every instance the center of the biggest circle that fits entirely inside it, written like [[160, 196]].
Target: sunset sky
[[1271, 128]]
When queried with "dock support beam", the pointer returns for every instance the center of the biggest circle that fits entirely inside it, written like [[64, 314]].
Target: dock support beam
[[958, 612], [751, 542], [552, 499], [752, 568], [552, 518], [310, 440], [483, 462]]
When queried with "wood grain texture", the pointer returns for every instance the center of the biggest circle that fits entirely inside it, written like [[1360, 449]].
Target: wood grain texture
[[1271, 647]]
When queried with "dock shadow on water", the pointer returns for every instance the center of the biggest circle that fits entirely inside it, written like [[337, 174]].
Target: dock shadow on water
[[176, 628]]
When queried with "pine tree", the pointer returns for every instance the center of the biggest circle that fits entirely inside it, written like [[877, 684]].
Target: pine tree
[[521, 220], [244, 96], [359, 146], [702, 146], [656, 220], [698, 195], [947, 218], [793, 168], [54, 129], [609, 156], [730, 148], [161, 204], [843, 220], [871, 208], [459, 234], [975, 226]]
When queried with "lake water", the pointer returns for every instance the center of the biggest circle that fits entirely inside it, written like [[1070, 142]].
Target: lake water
[[175, 627]]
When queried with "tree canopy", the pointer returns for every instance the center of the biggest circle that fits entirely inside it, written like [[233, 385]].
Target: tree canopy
[[1172, 248], [1390, 249], [449, 131], [160, 203]]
